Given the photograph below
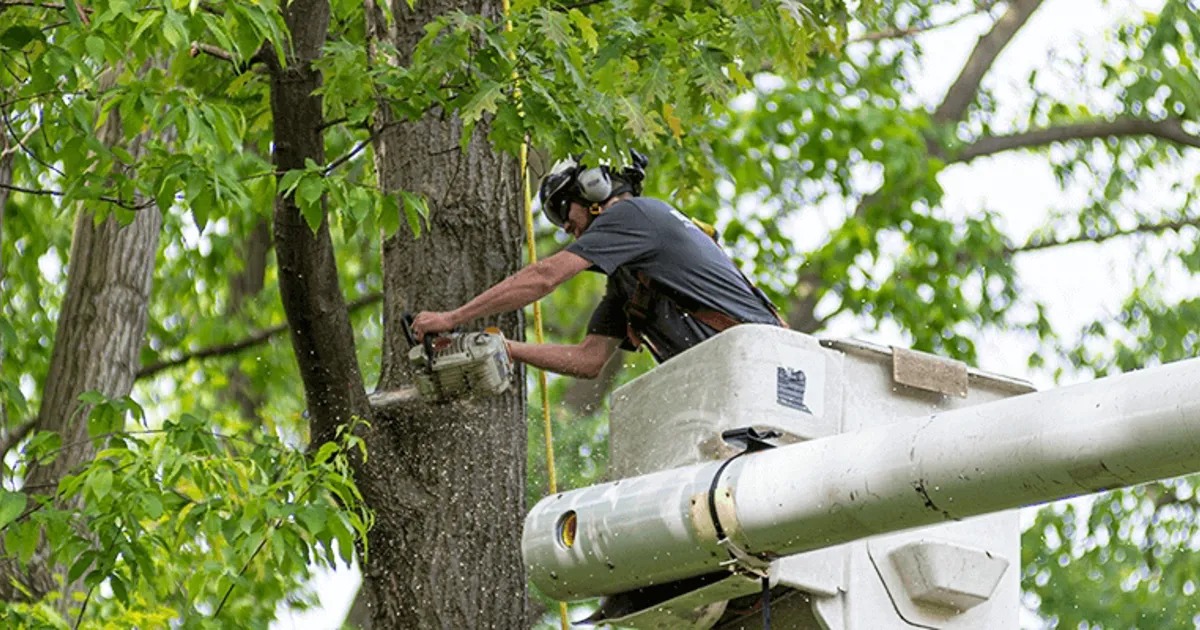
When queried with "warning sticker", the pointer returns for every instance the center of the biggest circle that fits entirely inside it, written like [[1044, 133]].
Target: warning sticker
[[790, 386]]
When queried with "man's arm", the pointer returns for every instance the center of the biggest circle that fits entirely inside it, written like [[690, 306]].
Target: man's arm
[[527, 286], [582, 360]]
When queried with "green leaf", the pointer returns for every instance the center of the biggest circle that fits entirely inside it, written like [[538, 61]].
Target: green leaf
[[120, 591], [100, 482], [12, 393], [585, 28], [22, 540], [93, 397], [308, 197], [95, 47], [80, 566], [325, 452], [415, 211], [16, 37], [483, 101], [8, 334], [153, 506], [12, 505], [389, 215], [289, 180]]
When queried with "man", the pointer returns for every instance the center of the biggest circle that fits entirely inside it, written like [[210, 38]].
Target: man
[[670, 286]]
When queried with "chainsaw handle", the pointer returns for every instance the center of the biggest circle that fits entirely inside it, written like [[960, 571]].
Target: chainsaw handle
[[406, 324], [428, 343]]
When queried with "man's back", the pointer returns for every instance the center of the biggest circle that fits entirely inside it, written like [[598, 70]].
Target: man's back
[[642, 238]]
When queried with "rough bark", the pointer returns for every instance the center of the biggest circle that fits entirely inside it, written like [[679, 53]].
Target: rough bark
[[100, 331], [318, 319], [445, 547]]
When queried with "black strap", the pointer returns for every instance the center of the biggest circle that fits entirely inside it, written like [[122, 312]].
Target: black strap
[[766, 601], [751, 441], [712, 496]]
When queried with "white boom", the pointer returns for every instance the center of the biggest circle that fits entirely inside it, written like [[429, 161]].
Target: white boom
[[653, 529]]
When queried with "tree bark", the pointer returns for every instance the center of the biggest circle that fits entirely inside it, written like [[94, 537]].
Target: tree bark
[[322, 338], [445, 549], [101, 328]]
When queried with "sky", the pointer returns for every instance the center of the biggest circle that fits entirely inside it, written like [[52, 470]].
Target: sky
[[1077, 282]]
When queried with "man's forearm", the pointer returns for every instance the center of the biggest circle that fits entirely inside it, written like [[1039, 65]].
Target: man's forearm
[[570, 360], [512, 293], [522, 288]]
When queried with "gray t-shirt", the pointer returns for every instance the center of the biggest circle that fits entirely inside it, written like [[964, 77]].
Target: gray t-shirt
[[646, 235]]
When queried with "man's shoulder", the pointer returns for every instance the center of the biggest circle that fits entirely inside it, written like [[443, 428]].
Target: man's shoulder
[[646, 205]]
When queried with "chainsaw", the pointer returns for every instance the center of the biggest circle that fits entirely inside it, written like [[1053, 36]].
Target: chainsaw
[[457, 364]]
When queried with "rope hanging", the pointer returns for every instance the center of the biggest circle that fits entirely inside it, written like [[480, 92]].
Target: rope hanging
[[527, 199]]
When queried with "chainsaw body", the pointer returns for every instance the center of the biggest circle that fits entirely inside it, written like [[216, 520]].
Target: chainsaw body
[[461, 365]]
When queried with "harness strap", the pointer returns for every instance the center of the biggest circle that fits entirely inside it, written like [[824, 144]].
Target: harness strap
[[641, 303]]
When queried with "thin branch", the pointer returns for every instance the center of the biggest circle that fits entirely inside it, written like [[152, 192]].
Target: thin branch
[[59, 193], [1143, 228], [578, 5], [34, 156], [1169, 129], [35, 5], [899, 33], [349, 155], [15, 436], [255, 339], [31, 191], [266, 537], [199, 48], [82, 608], [360, 146], [329, 123], [212, 51], [965, 88]]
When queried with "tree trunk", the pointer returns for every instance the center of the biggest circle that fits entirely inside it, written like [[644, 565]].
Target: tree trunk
[[245, 286], [445, 550], [101, 328]]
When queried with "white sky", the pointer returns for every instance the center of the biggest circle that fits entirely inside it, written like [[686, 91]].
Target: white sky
[[1077, 282]]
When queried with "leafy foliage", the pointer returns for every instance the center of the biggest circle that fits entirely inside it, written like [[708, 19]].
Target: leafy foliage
[[793, 126], [179, 524]]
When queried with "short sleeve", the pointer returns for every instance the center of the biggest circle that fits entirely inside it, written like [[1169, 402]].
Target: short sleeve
[[608, 320], [619, 235]]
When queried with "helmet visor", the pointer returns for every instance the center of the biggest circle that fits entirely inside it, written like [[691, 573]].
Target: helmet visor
[[555, 192]]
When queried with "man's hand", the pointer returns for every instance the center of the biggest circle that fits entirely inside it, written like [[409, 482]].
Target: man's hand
[[432, 322]]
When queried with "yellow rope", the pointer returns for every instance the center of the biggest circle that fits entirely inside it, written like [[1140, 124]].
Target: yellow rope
[[537, 306]]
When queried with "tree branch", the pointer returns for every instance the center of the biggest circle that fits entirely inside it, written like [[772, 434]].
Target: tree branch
[[255, 339], [1170, 130], [59, 193], [1036, 244], [962, 93], [212, 51], [15, 436], [900, 33]]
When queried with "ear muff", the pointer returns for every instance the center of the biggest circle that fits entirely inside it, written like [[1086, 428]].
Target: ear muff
[[595, 185]]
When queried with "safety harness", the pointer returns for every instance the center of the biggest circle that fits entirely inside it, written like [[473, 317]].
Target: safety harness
[[640, 307]]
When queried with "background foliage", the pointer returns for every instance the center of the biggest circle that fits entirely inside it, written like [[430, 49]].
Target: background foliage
[[799, 129]]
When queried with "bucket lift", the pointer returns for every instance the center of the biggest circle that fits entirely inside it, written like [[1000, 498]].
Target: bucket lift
[[889, 501]]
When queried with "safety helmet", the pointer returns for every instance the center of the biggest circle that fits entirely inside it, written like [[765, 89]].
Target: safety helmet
[[569, 180]]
